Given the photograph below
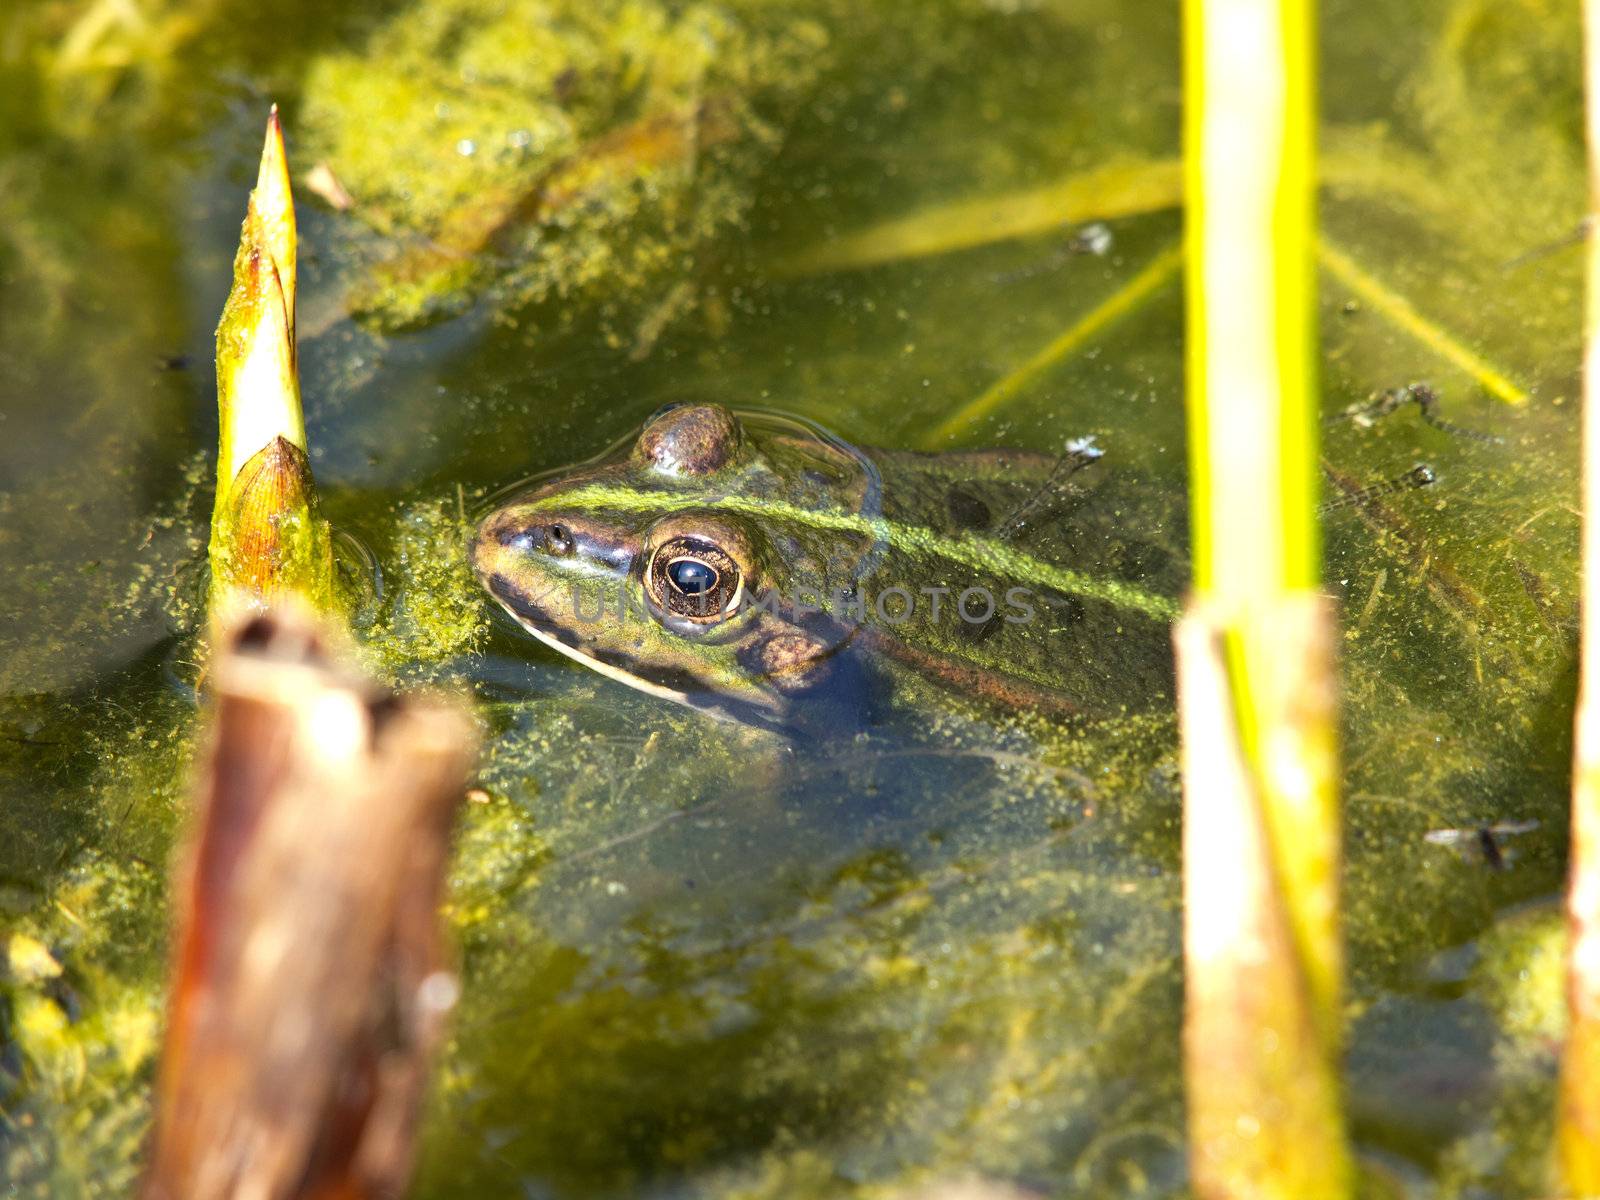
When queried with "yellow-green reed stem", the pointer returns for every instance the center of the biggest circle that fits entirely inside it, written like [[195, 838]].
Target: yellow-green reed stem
[[1261, 1070], [1252, 392], [1262, 1095], [258, 384], [1578, 1114], [267, 539]]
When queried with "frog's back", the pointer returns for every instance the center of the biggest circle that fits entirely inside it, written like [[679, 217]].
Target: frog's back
[[1040, 581]]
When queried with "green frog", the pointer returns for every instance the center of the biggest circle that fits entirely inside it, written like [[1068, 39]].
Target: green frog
[[756, 567]]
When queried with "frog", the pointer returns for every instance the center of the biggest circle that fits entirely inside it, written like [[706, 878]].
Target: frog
[[754, 566]]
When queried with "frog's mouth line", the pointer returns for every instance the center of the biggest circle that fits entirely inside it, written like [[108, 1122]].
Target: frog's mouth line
[[692, 690]]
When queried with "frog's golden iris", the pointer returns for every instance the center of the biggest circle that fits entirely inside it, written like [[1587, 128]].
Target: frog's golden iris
[[695, 580]]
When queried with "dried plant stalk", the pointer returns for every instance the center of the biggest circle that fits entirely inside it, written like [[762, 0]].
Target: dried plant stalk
[[1263, 1096], [1578, 1114], [310, 977]]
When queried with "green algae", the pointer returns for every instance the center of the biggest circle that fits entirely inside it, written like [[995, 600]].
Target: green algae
[[433, 611], [834, 1010], [554, 152], [79, 1044], [1489, 110], [1519, 980]]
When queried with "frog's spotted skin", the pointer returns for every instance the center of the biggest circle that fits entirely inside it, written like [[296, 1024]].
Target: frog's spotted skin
[[692, 564]]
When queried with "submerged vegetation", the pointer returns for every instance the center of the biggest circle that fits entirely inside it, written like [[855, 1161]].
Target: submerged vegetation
[[553, 152], [703, 960]]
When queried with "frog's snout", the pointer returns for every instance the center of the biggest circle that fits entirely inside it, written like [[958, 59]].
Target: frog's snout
[[504, 540], [515, 540]]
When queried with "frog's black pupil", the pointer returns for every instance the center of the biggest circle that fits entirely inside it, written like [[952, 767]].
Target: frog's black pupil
[[690, 577]]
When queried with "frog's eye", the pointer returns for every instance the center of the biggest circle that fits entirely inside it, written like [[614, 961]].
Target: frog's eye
[[695, 579]]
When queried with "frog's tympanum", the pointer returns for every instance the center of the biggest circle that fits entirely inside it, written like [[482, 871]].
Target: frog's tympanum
[[755, 567]]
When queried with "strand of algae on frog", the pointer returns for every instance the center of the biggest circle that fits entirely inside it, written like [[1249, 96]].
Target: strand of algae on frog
[[910, 539], [1105, 193], [1338, 263], [1160, 270]]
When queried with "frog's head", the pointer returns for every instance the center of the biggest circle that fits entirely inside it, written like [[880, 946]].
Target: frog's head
[[670, 563]]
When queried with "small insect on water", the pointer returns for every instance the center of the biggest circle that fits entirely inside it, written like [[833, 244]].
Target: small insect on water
[[1367, 414], [1573, 237], [1093, 239], [1419, 476], [1054, 491], [1483, 842]]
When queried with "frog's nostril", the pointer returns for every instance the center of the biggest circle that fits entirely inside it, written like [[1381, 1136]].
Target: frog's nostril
[[555, 540]]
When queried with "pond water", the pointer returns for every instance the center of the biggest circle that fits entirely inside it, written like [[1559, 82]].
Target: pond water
[[700, 958]]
